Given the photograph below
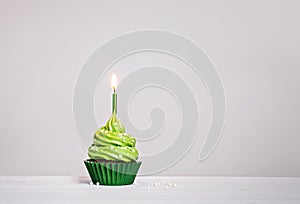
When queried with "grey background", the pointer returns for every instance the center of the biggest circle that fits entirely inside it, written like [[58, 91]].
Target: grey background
[[254, 44]]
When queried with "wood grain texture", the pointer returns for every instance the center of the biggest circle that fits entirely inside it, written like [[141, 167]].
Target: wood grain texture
[[49, 189]]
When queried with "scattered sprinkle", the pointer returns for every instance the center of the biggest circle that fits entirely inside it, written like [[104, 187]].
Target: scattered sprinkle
[[158, 185]]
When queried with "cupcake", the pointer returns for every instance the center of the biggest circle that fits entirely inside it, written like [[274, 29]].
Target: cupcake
[[113, 156]]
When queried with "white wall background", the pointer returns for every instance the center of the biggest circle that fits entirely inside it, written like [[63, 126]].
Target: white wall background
[[254, 44]]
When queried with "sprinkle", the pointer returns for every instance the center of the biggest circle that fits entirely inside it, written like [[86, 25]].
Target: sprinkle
[[97, 183], [170, 184]]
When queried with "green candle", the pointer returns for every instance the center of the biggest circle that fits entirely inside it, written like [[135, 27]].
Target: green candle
[[114, 102], [114, 95]]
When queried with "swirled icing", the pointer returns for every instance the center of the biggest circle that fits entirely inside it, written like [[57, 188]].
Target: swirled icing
[[111, 143]]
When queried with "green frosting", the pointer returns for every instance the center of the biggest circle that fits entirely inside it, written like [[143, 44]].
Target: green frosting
[[111, 143]]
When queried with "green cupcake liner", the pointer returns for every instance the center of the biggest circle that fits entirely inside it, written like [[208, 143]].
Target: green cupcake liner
[[112, 174]]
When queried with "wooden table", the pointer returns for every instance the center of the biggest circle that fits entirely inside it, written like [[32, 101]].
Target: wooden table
[[154, 190]]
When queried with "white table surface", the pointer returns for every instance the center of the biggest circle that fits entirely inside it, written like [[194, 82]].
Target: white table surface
[[231, 190]]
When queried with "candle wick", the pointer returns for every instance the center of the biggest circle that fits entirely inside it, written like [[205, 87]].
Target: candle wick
[[114, 89]]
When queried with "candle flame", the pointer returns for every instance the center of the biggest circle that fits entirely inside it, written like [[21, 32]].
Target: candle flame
[[114, 82]]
